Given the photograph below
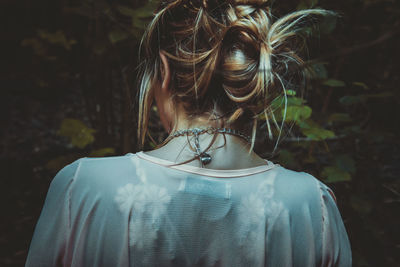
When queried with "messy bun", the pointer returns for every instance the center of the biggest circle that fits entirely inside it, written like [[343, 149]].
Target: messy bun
[[225, 54]]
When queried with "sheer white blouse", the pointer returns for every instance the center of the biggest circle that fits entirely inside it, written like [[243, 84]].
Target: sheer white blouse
[[133, 210]]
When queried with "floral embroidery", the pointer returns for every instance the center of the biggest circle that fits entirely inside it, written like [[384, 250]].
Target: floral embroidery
[[141, 234], [266, 188], [140, 172], [254, 211], [147, 201], [251, 209], [157, 199], [126, 196]]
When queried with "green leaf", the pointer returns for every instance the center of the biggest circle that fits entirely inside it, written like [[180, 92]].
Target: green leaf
[[102, 152], [333, 174], [294, 101], [339, 117], [317, 134], [297, 113], [295, 109], [290, 92], [279, 102], [334, 83], [58, 38], [363, 85], [314, 131], [79, 134]]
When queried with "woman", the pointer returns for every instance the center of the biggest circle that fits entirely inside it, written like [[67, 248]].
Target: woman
[[203, 198]]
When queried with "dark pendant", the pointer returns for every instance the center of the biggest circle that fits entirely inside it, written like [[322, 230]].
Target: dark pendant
[[205, 158]]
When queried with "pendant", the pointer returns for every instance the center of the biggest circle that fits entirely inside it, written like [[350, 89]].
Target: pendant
[[205, 158]]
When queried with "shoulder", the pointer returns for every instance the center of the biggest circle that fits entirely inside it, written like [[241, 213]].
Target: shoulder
[[96, 170], [66, 175], [68, 170], [106, 167], [299, 186], [105, 164]]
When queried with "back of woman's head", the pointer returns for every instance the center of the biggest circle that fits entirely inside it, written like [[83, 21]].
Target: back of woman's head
[[228, 59]]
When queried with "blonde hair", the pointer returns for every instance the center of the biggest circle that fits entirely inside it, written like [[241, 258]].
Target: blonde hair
[[227, 54]]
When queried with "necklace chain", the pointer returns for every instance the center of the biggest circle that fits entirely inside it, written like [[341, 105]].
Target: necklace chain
[[204, 157], [210, 130]]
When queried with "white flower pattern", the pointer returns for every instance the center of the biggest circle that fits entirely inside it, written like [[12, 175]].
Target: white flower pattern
[[146, 201], [157, 200], [140, 172], [254, 210], [141, 234], [251, 209], [126, 196]]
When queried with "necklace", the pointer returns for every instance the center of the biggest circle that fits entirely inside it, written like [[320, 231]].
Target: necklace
[[204, 157]]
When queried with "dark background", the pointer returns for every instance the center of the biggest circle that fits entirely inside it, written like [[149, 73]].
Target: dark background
[[67, 90]]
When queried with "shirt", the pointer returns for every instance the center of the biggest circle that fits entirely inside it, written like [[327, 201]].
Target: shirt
[[134, 210]]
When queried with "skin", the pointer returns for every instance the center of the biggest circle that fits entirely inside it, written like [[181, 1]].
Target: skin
[[234, 155]]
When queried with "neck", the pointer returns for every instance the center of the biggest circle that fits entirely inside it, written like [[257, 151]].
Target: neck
[[184, 122], [231, 152], [209, 130]]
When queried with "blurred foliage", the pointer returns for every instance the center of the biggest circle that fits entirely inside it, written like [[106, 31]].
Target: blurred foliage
[[79, 134], [341, 170], [73, 76]]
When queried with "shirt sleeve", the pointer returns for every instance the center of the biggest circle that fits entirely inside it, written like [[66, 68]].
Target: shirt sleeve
[[48, 243], [336, 250]]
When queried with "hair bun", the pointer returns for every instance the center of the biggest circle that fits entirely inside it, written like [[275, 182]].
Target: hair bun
[[229, 57]]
